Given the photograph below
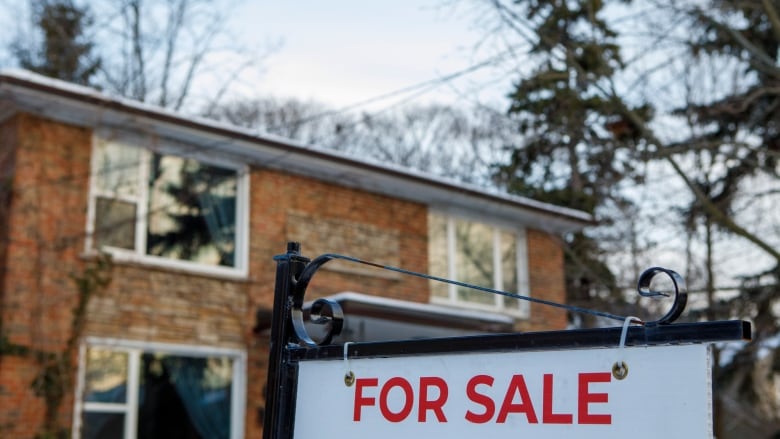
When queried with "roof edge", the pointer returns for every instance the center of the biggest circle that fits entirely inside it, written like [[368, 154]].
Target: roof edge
[[571, 219]]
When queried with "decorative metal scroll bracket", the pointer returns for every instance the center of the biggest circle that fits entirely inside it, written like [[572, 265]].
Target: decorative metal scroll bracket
[[330, 316], [680, 293], [325, 312]]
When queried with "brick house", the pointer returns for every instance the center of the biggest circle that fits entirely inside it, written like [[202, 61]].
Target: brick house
[[191, 213]]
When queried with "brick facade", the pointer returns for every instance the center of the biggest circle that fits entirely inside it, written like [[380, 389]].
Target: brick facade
[[45, 229], [44, 246], [545, 271]]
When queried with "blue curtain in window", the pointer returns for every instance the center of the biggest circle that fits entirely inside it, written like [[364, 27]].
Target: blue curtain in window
[[207, 406]]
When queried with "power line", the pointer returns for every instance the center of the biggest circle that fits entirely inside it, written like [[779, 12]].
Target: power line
[[425, 86]]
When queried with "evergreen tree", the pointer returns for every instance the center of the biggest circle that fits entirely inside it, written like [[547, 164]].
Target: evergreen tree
[[65, 53], [575, 148]]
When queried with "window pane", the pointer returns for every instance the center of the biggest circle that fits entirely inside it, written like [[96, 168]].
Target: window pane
[[106, 376], [437, 253], [184, 397], [474, 260], [98, 425], [114, 223], [117, 169], [192, 211], [509, 267]]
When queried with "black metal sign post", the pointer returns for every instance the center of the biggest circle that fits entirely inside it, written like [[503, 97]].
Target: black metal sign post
[[293, 273], [291, 345], [280, 387]]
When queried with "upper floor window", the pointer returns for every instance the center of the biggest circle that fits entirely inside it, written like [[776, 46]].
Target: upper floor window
[[167, 209], [481, 254]]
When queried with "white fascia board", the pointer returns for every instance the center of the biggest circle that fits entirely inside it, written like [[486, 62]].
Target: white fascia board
[[83, 106]]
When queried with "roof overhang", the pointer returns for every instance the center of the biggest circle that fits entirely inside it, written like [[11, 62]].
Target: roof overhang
[[372, 318], [421, 313], [22, 91]]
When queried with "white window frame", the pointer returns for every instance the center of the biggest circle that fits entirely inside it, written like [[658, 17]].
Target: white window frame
[[135, 349], [138, 254], [523, 284]]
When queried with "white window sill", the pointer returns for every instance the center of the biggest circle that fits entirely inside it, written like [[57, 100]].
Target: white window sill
[[124, 256]]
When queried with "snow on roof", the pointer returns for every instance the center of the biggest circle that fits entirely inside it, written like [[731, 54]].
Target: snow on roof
[[27, 91]]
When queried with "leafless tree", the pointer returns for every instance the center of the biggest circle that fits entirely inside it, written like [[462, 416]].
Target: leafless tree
[[460, 144], [167, 52]]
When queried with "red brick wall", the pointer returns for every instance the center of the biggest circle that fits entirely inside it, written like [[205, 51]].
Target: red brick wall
[[150, 304], [46, 242], [275, 196], [45, 236], [22, 413], [46, 229], [546, 275], [7, 163]]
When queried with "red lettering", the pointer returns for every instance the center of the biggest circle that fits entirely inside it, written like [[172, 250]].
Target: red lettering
[[437, 404], [361, 401], [548, 417], [517, 385], [585, 398], [483, 400], [408, 399], [396, 399]]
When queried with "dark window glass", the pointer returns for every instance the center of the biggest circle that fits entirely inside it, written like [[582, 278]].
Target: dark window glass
[[192, 211], [184, 397], [99, 425], [191, 206]]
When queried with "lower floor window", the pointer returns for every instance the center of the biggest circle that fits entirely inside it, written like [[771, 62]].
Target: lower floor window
[[159, 391]]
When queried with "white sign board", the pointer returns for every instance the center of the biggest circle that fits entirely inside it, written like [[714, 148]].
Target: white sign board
[[550, 394]]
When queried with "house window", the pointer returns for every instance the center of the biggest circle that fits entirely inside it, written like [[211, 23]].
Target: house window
[[480, 254], [167, 209], [154, 391]]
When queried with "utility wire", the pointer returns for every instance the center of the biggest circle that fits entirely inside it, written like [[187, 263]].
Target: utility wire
[[425, 86]]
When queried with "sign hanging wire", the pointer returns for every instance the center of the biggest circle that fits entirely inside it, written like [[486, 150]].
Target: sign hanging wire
[[571, 308]]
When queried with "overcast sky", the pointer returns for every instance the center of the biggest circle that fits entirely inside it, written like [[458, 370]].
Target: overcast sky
[[345, 51], [340, 52]]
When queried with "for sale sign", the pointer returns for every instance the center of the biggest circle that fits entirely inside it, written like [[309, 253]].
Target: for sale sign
[[552, 394]]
